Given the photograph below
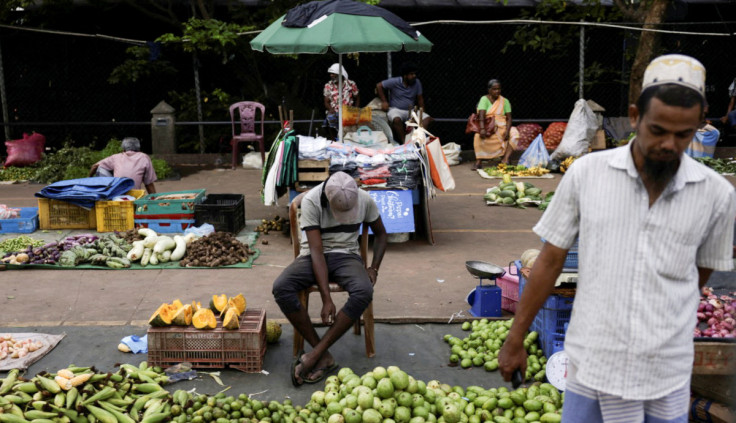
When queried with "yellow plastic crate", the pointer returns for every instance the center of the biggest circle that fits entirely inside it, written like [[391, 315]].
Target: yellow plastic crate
[[117, 215], [55, 214]]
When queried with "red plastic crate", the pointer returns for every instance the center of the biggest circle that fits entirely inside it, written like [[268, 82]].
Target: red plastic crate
[[242, 349]]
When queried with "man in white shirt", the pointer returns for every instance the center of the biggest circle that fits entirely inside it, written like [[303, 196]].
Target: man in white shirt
[[652, 224]]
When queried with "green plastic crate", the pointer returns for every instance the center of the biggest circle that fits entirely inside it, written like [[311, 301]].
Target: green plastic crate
[[158, 203]]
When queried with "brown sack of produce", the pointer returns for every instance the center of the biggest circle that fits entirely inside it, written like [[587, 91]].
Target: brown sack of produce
[[553, 135], [527, 133]]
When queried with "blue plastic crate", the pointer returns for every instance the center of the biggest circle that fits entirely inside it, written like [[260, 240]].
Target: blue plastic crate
[[166, 226], [25, 224], [571, 260], [555, 313], [551, 343]]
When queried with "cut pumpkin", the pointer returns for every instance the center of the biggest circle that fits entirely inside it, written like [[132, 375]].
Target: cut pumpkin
[[196, 305], [183, 316], [218, 303], [204, 319], [232, 319], [162, 316], [177, 303], [240, 303]]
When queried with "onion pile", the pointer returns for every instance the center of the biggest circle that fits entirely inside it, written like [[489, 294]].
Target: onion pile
[[716, 315]]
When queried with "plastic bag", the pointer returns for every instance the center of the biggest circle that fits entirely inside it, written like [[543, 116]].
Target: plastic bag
[[579, 132], [452, 153], [252, 160], [536, 154], [203, 230], [25, 151], [8, 212], [704, 142]]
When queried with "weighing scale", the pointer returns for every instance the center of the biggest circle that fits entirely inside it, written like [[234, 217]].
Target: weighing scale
[[556, 370], [485, 300]]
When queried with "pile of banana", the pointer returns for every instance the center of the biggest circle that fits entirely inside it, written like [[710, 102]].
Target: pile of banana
[[566, 164]]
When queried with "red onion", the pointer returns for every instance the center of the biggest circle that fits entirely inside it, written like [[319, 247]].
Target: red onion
[[709, 307], [718, 314], [701, 307], [701, 317], [708, 314], [716, 303], [712, 321], [697, 333]]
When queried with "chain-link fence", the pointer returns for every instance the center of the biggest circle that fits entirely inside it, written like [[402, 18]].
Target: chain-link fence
[[58, 84]]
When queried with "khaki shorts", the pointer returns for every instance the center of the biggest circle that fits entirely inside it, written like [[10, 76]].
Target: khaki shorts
[[394, 112]]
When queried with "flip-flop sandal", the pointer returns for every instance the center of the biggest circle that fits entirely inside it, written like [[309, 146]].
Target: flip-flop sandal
[[325, 371], [297, 361]]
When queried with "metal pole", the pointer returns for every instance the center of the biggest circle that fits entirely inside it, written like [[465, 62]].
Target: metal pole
[[388, 65], [339, 97], [3, 97], [198, 94], [582, 60]]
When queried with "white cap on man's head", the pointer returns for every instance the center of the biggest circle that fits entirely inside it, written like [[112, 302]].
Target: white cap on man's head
[[335, 69], [342, 193], [675, 69]]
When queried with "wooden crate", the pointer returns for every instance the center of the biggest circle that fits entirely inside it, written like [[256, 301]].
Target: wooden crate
[[714, 358], [720, 388], [313, 170]]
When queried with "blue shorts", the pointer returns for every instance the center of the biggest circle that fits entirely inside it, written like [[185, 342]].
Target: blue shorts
[[585, 405], [732, 118]]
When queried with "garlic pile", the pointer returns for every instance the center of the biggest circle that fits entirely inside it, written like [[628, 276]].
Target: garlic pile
[[10, 347]]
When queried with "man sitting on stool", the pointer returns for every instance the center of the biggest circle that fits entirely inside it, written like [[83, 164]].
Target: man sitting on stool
[[332, 215], [406, 92]]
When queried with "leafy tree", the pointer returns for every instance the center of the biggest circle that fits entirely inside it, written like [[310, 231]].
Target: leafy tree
[[558, 40]]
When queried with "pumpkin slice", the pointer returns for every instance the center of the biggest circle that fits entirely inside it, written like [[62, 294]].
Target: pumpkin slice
[[196, 305], [204, 319], [177, 303], [240, 303], [162, 316], [218, 303], [183, 316], [232, 319]]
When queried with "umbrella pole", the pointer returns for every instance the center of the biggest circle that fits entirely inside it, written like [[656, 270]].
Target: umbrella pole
[[339, 98]]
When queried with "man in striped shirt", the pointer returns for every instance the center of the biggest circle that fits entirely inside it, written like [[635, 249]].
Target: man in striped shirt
[[652, 226]]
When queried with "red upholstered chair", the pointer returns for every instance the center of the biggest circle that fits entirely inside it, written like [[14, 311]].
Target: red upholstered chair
[[246, 115]]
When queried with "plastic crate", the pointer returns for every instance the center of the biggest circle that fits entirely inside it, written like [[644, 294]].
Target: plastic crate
[[242, 349], [554, 314], [57, 214], [166, 226], [571, 260], [509, 284], [226, 212], [551, 343], [157, 203], [25, 224], [117, 215]]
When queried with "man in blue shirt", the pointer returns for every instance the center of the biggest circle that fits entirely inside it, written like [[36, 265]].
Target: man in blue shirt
[[406, 92]]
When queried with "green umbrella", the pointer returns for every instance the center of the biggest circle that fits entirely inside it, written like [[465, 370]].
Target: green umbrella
[[342, 33]]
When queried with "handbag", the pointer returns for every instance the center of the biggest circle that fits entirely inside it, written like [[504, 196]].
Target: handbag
[[472, 126], [364, 136]]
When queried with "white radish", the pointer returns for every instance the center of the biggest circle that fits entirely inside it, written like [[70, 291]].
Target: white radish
[[181, 247], [164, 243]]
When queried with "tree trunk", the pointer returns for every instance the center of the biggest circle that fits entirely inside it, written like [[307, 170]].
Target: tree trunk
[[648, 43]]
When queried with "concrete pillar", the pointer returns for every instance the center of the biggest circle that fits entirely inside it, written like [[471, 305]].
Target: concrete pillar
[[163, 134]]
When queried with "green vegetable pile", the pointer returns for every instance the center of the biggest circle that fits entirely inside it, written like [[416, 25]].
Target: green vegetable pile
[[514, 193], [481, 347], [719, 165], [19, 243], [135, 394], [17, 173], [71, 162]]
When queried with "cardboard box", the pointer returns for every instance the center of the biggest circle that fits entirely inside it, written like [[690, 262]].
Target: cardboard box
[[599, 141]]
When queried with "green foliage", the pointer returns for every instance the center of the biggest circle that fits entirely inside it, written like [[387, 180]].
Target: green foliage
[[137, 66], [215, 107], [201, 35], [71, 162], [162, 168], [558, 40]]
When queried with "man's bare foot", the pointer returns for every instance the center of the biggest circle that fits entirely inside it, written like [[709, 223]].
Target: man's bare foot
[[304, 367]]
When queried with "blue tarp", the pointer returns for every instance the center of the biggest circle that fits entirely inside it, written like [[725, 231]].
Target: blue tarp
[[85, 191]]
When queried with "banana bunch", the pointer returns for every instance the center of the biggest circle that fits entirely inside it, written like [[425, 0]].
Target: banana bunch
[[566, 164], [518, 170]]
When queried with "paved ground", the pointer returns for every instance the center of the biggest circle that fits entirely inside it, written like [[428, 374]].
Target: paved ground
[[418, 281]]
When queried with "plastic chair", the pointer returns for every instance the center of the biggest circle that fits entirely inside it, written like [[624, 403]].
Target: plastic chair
[[370, 346], [247, 118]]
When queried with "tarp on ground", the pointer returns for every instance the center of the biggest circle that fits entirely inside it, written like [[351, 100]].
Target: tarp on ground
[[84, 192]]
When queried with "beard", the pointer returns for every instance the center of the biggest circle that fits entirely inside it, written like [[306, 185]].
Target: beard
[[659, 171]]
